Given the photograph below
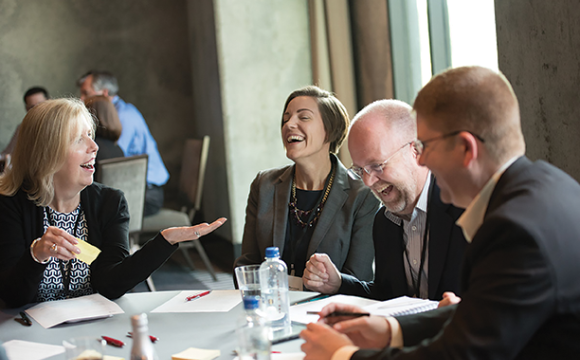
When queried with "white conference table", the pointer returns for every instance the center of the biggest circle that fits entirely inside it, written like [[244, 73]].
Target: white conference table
[[176, 331]]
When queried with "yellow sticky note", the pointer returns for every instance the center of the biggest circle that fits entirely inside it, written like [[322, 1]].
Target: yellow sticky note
[[196, 354], [88, 252]]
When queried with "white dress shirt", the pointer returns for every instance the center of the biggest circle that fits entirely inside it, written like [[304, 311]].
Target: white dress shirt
[[413, 233]]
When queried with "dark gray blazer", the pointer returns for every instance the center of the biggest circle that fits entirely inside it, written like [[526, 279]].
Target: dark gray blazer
[[343, 230], [521, 298]]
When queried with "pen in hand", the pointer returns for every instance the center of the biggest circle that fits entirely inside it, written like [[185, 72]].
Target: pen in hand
[[339, 313], [24, 319], [197, 296]]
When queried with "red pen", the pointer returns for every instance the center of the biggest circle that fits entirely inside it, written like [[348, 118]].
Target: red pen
[[193, 297], [114, 342], [153, 338]]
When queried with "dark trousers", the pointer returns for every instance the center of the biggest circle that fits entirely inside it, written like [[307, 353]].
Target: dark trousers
[[153, 199]]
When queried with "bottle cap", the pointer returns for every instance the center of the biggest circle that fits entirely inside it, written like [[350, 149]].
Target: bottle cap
[[138, 320], [251, 302], [272, 252]]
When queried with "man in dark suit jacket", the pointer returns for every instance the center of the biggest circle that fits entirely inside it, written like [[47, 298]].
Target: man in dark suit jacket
[[412, 215], [521, 298]]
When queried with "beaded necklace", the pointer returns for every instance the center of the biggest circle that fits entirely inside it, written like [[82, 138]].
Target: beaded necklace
[[298, 214]]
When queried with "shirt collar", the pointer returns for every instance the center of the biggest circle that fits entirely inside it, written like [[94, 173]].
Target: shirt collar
[[421, 203], [115, 99], [472, 217]]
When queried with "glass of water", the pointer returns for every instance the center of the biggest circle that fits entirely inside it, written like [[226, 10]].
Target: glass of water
[[248, 278]]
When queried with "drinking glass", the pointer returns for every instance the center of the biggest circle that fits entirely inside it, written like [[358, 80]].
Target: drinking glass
[[248, 278], [84, 348]]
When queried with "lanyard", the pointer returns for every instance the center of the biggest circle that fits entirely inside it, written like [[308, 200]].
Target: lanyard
[[65, 267], [417, 283]]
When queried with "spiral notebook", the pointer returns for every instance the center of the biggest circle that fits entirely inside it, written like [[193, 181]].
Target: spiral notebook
[[403, 305]]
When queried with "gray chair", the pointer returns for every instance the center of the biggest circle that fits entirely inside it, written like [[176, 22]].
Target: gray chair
[[191, 179], [128, 174]]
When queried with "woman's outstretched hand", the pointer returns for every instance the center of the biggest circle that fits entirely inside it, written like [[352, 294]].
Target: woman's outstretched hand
[[175, 235]]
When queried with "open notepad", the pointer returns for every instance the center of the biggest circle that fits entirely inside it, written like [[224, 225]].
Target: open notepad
[[52, 313], [403, 305]]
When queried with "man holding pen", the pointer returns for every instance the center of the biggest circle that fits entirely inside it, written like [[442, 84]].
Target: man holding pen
[[520, 298]]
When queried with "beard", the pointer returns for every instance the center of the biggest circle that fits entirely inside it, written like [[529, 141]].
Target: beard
[[399, 202], [402, 194]]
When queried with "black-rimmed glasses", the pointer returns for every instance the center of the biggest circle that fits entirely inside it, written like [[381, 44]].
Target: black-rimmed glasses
[[377, 169], [421, 145]]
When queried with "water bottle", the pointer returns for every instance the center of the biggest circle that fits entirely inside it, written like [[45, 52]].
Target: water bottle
[[142, 346], [253, 333], [274, 288]]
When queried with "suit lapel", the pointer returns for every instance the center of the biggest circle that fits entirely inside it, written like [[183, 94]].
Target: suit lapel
[[441, 223], [282, 188], [336, 199], [389, 246]]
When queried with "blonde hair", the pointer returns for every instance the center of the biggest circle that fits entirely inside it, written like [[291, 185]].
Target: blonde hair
[[43, 144], [478, 100]]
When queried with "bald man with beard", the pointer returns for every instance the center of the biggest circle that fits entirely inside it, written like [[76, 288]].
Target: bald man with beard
[[418, 247]]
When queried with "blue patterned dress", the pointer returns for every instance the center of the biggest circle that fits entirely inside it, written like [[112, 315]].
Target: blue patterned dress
[[52, 286]]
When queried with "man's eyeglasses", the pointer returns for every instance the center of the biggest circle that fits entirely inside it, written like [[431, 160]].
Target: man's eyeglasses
[[421, 145], [377, 169]]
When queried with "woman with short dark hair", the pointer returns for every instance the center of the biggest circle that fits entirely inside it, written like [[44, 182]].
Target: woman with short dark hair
[[311, 206]]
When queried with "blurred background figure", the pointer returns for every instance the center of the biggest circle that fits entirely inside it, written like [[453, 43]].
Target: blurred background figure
[[33, 96], [108, 127], [136, 139]]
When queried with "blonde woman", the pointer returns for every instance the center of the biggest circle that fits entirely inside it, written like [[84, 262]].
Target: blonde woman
[[48, 200]]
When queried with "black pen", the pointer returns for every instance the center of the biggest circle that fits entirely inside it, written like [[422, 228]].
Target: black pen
[[340, 313], [24, 319], [315, 298], [284, 339]]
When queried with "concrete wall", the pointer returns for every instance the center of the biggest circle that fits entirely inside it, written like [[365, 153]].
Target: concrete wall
[[539, 52], [145, 43], [263, 55], [193, 67], [208, 110]]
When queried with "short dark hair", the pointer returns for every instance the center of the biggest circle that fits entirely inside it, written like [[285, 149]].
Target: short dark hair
[[35, 90], [334, 115], [101, 80]]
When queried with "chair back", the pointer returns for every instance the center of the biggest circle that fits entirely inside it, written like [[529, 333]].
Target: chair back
[[128, 174], [193, 166]]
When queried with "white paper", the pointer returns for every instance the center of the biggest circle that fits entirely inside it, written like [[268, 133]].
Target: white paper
[[284, 356], [216, 301], [298, 312], [295, 283], [52, 313], [26, 350], [401, 304]]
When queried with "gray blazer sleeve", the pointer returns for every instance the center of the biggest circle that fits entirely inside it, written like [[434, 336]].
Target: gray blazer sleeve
[[250, 248]]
